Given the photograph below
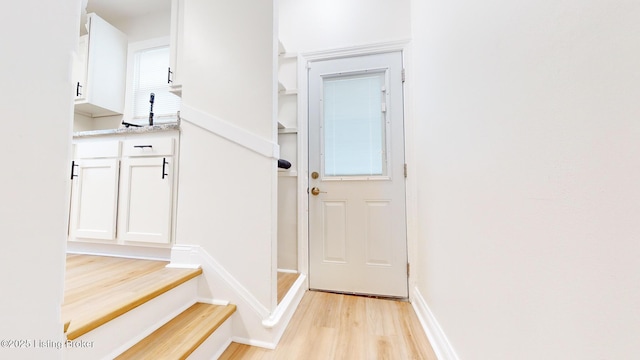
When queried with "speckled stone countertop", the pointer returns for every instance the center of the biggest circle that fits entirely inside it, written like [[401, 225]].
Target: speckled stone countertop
[[128, 130]]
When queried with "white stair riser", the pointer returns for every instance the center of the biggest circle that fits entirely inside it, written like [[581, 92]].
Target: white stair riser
[[119, 334], [215, 344]]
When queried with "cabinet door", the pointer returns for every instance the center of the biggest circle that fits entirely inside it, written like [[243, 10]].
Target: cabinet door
[[94, 199], [80, 68], [146, 198], [175, 57], [106, 65]]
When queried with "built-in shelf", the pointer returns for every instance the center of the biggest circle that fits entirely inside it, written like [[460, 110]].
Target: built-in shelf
[[284, 91], [287, 173], [288, 55], [282, 52]]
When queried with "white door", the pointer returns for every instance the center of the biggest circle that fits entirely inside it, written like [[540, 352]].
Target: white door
[[94, 199], [146, 191], [357, 227]]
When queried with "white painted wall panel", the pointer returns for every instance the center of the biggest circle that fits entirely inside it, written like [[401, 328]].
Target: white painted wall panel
[[528, 167], [311, 25], [287, 223], [37, 41], [224, 205], [230, 50]]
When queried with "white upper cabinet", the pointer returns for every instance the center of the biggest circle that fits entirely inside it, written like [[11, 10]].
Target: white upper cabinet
[[177, 25], [100, 69]]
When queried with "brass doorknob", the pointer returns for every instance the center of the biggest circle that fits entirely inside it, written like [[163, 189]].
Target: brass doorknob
[[315, 191]]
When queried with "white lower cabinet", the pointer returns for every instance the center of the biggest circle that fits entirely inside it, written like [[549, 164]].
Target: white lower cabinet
[[123, 191], [94, 199], [146, 194]]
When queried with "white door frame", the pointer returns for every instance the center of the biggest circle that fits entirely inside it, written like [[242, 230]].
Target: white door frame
[[303, 146]]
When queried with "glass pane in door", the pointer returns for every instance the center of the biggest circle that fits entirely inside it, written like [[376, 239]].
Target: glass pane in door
[[354, 125]]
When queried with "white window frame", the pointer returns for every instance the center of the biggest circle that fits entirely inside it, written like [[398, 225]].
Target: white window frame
[[134, 47]]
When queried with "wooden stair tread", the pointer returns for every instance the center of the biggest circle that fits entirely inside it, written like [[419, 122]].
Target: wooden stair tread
[[178, 338], [100, 306]]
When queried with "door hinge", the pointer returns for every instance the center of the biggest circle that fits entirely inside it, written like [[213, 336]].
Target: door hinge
[[403, 75], [408, 269], [405, 170]]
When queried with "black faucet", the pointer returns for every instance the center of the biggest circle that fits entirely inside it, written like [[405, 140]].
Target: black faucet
[[151, 100]]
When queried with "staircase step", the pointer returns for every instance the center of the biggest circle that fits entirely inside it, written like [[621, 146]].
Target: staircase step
[[178, 338], [83, 312]]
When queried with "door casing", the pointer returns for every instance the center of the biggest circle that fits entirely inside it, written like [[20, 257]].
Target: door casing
[[304, 59]]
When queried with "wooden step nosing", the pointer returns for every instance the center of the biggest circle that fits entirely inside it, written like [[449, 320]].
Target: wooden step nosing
[[227, 312], [136, 301], [220, 317]]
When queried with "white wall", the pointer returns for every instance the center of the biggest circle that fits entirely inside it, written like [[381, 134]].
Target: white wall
[[37, 115], [528, 156], [151, 25], [312, 25], [227, 201], [229, 49]]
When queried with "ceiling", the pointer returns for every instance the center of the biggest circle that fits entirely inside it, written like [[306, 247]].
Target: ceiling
[[116, 10]]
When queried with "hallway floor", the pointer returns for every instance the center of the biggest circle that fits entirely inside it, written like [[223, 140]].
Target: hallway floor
[[335, 326]]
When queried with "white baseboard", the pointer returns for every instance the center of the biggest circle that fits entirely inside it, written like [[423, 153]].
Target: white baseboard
[[186, 256], [256, 343], [254, 324], [125, 251], [284, 309], [437, 337], [288, 271]]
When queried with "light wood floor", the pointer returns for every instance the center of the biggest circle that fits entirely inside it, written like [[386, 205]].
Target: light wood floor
[[285, 281], [334, 326]]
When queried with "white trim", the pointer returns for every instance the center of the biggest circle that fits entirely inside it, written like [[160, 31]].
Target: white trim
[[257, 343], [304, 63], [212, 301], [182, 255], [293, 297], [182, 266], [288, 271], [230, 132], [437, 337], [257, 326], [303, 167], [359, 50], [125, 251]]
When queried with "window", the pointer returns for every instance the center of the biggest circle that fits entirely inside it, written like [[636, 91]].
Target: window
[[354, 125], [148, 71]]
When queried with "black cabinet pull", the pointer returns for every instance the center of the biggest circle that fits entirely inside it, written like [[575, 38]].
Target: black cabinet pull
[[169, 81], [164, 164], [142, 146], [78, 87], [73, 167]]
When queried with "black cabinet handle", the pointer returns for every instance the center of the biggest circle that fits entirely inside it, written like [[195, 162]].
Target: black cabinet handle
[[78, 87], [164, 164], [142, 146], [73, 167], [169, 81]]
